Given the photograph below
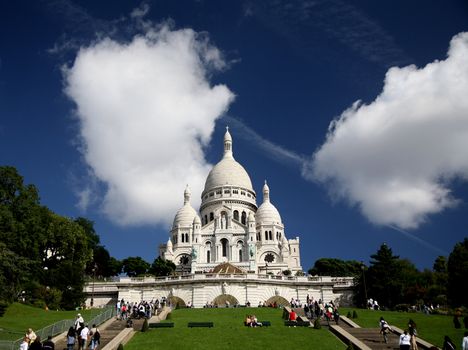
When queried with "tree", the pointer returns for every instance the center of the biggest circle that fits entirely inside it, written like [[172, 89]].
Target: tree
[[335, 267], [135, 266], [162, 267], [43, 254], [384, 277], [457, 271]]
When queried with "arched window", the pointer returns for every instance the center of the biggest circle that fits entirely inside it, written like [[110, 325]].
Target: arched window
[[211, 216], [206, 219], [224, 243], [208, 251], [182, 238], [266, 235], [270, 236], [236, 215], [244, 215], [186, 238], [240, 255]]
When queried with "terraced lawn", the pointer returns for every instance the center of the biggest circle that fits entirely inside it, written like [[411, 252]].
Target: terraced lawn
[[229, 332], [18, 318], [431, 328]]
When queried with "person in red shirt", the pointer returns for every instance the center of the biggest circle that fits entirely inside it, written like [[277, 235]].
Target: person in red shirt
[[292, 316]]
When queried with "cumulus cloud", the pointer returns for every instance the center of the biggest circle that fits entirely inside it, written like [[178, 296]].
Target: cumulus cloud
[[395, 157], [146, 110]]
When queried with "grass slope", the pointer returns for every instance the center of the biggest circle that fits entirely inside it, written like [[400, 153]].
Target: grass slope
[[229, 332], [18, 318], [431, 328]]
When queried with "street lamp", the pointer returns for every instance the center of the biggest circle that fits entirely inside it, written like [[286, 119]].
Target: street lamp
[[92, 288], [363, 268]]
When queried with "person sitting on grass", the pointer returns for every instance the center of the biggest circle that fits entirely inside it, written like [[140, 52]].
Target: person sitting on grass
[[248, 320], [255, 322], [293, 316]]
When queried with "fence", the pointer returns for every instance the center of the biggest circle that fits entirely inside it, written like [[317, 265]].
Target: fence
[[57, 328]]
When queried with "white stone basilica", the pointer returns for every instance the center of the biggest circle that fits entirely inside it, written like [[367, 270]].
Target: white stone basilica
[[231, 251], [230, 228]]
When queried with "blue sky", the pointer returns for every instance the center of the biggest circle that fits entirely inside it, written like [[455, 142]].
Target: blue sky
[[110, 108]]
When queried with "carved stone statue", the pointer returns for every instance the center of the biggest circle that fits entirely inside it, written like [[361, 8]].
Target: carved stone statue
[[194, 253], [252, 250]]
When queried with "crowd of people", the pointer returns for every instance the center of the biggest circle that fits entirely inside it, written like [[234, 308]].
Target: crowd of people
[[143, 309], [79, 335]]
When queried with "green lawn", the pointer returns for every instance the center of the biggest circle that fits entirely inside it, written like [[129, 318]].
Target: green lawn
[[431, 328], [229, 332], [18, 318]]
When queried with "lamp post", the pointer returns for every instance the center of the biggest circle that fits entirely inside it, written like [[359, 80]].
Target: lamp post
[[363, 268], [92, 286]]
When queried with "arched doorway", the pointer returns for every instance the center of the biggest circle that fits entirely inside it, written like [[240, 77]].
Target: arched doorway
[[280, 301], [176, 302], [220, 300]]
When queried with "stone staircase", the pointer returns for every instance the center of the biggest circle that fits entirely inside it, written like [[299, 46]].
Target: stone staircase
[[109, 330], [372, 337]]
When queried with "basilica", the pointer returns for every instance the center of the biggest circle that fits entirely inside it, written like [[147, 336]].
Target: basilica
[[230, 251], [230, 229]]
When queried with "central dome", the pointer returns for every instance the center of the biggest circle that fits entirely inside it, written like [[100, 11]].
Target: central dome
[[228, 171]]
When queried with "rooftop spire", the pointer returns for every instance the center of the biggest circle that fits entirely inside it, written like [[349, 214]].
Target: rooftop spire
[[187, 194], [266, 192], [227, 143]]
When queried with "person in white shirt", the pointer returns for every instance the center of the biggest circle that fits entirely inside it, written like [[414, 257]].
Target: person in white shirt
[[405, 341], [465, 341], [84, 337], [25, 344]]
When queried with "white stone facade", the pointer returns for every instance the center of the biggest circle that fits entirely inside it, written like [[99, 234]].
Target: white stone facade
[[229, 226], [200, 289]]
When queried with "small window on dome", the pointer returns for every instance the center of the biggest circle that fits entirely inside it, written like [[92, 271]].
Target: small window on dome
[[227, 191], [235, 191], [218, 192], [211, 194], [211, 216], [248, 195], [243, 193]]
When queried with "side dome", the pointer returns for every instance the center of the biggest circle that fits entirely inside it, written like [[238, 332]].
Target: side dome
[[186, 214], [228, 171], [267, 212]]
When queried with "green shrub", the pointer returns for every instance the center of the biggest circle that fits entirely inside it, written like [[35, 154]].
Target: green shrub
[[317, 324], [348, 315], [120, 347], [145, 326], [355, 314]]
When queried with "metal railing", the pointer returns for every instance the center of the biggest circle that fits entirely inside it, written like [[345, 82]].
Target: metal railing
[[57, 328]]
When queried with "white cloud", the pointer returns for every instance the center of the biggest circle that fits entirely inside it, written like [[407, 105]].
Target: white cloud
[[396, 156], [146, 110]]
